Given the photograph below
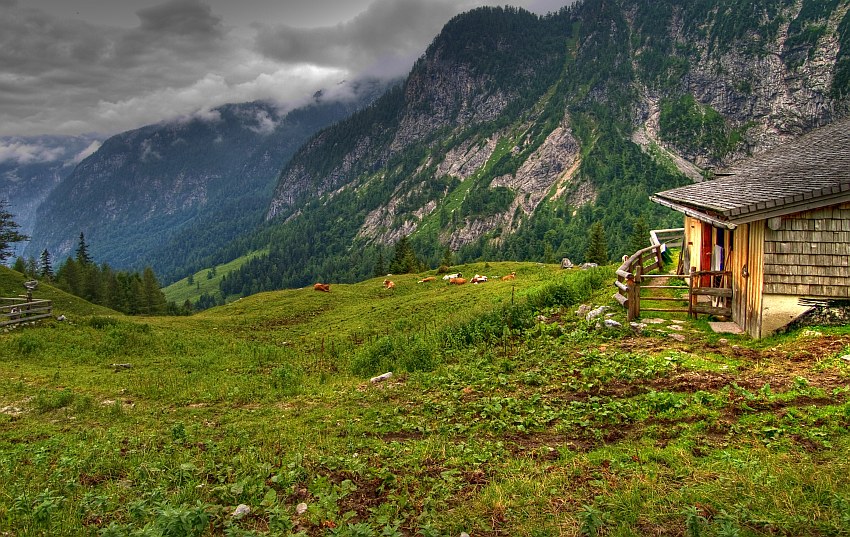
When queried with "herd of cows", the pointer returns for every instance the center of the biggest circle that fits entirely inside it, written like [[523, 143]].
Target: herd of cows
[[453, 279]]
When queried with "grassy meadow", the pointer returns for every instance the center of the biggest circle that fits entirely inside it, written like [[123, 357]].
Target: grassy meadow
[[507, 415]]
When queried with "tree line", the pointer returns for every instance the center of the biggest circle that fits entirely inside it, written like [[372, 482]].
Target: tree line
[[132, 293]]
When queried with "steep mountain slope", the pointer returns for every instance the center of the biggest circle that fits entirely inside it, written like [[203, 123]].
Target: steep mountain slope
[[514, 133], [32, 166], [170, 194]]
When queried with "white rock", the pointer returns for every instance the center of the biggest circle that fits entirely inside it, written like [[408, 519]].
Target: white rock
[[595, 313], [381, 378], [846, 357], [241, 510], [678, 337], [301, 508], [611, 323]]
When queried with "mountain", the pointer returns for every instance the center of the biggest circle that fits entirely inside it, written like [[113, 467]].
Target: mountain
[[514, 133], [32, 166], [171, 194]]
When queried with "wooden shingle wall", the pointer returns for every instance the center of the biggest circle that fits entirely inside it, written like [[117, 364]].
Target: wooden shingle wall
[[809, 254]]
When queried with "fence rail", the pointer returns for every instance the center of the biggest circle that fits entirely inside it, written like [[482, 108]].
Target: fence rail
[[633, 276], [19, 310]]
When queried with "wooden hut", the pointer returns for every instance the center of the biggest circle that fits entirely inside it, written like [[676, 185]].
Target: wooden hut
[[779, 223]]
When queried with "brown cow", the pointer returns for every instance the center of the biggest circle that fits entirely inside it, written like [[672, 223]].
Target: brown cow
[[511, 276], [428, 279], [326, 287], [458, 281], [389, 284]]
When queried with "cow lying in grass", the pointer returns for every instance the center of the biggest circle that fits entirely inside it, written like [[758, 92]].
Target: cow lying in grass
[[457, 281], [389, 284], [326, 287], [426, 280], [478, 279], [455, 275], [511, 276]]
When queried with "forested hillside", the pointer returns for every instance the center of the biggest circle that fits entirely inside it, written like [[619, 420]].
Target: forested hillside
[[514, 133], [171, 195]]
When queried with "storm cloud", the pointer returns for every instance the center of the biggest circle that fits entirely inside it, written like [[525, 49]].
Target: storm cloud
[[60, 74]]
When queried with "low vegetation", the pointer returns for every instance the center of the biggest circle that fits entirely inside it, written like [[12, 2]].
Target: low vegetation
[[507, 414]]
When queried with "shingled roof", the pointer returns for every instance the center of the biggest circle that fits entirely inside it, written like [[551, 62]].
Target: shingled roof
[[810, 172]]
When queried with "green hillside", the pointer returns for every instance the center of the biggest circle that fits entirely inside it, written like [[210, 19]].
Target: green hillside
[[507, 414], [204, 281], [12, 285]]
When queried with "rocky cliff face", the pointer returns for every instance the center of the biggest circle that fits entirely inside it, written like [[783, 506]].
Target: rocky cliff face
[[762, 80]]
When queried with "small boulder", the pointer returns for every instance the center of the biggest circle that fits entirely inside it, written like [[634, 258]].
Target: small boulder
[[595, 313], [611, 323], [240, 511], [301, 508], [381, 378]]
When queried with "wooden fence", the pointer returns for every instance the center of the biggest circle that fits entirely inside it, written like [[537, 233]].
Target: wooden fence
[[20, 310], [634, 275]]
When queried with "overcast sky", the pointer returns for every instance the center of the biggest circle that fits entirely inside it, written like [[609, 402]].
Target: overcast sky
[[106, 66]]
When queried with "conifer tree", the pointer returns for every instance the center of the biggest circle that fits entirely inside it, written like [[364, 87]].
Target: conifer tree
[[83, 256], [20, 265], [9, 234], [597, 246], [404, 260], [639, 238], [380, 269], [45, 268]]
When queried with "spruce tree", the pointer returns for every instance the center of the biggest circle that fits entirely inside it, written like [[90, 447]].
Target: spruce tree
[[9, 234], [380, 269], [597, 246], [639, 239], [45, 269], [83, 256]]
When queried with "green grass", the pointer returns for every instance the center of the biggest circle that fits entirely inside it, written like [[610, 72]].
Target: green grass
[[507, 415], [205, 281]]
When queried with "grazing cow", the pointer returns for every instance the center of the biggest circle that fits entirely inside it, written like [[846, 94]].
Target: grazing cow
[[428, 279], [455, 275], [478, 279], [389, 284], [326, 287], [511, 276], [457, 281]]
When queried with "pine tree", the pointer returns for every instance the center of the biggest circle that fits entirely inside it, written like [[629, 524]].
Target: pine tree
[[9, 234], [404, 260], [20, 265], [380, 269], [45, 269], [597, 246], [448, 257], [639, 239], [83, 256]]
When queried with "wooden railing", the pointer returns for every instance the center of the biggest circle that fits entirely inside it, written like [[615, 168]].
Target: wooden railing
[[633, 276], [715, 284], [19, 310], [630, 276]]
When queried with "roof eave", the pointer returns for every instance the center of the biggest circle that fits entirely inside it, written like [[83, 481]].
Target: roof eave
[[806, 204], [693, 213]]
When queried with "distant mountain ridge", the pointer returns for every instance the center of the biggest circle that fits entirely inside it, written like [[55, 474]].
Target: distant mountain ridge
[[169, 194], [32, 166]]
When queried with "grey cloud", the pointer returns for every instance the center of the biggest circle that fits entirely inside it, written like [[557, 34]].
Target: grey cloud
[[26, 153], [8, 3], [181, 17], [389, 33]]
